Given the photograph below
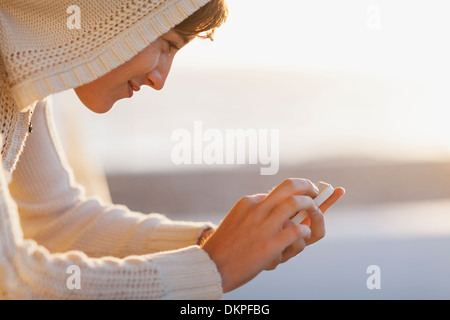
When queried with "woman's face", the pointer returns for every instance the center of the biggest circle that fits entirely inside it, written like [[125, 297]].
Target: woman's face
[[150, 67]]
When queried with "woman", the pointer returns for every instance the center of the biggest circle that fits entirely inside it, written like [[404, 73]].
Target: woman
[[57, 243]]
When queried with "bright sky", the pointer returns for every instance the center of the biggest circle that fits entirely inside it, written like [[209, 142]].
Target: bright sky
[[398, 41], [403, 36], [376, 83]]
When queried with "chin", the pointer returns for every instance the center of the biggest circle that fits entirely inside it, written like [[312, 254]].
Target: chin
[[97, 106], [94, 102], [100, 108]]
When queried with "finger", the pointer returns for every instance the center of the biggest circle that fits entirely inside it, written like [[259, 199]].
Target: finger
[[288, 187], [246, 203], [293, 250], [338, 193], [317, 227], [289, 207], [259, 196], [317, 221], [297, 246], [289, 235], [273, 264]]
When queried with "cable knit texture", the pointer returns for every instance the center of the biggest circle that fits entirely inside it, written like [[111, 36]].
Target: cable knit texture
[[47, 224], [43, 56]]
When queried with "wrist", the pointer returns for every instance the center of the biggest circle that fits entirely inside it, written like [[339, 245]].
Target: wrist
[[207, 232]]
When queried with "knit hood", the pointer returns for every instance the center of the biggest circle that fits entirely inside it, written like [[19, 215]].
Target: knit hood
[[48, 46]]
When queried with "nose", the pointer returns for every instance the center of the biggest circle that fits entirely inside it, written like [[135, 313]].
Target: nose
[[158, 76]]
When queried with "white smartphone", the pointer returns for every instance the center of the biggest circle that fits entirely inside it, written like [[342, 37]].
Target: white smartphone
[[325, 191]]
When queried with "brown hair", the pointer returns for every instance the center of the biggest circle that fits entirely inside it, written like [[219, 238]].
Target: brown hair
[[205, 20]]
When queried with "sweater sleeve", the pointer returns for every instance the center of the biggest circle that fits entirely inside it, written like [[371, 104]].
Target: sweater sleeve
[[30, 271], [78, 248], [55, 212]]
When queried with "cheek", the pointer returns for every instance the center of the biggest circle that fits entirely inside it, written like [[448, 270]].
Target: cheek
[[144, 62], [100, 95]]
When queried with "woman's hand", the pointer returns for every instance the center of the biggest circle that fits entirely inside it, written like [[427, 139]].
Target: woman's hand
[[257, 233]]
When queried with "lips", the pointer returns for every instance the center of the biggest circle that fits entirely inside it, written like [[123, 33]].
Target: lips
[[134, 85], [130, 90]]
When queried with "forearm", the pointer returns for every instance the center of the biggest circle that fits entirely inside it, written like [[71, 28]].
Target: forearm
[[29, 270], [55, 212], [35, 273], [100, 230]]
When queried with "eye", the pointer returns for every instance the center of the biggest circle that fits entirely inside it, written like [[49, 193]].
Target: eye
[[172, 46]]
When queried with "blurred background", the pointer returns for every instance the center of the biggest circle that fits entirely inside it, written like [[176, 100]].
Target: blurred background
[[359, 93]]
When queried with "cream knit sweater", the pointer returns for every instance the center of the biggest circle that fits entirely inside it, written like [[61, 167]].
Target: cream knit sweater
[[48, 226]]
